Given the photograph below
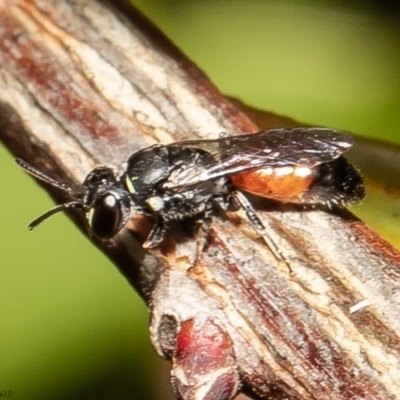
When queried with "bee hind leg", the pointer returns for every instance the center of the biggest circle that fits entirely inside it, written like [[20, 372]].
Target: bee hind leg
[[241, 201]]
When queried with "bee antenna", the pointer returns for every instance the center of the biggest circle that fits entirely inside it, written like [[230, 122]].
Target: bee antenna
[[43, 177], [55, 210]]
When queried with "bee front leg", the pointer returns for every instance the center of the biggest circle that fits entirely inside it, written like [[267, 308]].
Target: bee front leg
[[156, 235]]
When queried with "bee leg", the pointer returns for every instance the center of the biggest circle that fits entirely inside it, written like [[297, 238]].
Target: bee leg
[[156, 235], [241, 200], [226, 203]]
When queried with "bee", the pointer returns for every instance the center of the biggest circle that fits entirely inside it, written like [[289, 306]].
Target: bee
[[190, 179]]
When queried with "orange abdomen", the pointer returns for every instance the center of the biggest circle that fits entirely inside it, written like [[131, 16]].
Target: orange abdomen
[[285, 184]]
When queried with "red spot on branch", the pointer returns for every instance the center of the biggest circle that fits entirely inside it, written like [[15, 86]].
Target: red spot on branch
[[204, 363]]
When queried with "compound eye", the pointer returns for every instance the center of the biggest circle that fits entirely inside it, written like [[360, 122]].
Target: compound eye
[[105, 217]]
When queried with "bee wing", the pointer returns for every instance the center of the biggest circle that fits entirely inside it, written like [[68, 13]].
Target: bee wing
[[307, 147]]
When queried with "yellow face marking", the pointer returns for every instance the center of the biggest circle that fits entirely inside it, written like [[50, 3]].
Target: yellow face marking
[[89, 216]]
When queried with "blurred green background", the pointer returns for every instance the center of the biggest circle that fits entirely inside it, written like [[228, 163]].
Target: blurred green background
[[71, 327]]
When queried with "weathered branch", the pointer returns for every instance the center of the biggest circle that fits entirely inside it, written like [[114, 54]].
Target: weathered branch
[[81, 84]]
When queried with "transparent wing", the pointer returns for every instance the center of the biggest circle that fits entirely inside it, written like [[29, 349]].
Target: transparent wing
[[274, 148]]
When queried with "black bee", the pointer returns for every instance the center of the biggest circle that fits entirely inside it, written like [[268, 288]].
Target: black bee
[[188, 179]]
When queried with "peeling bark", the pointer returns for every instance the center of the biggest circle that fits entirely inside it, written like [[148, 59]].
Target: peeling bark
[[83, 83]]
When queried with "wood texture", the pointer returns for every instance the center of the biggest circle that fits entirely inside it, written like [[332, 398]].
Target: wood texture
[[82, 83]]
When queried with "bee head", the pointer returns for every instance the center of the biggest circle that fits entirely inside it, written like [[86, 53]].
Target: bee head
[[105, 203]]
